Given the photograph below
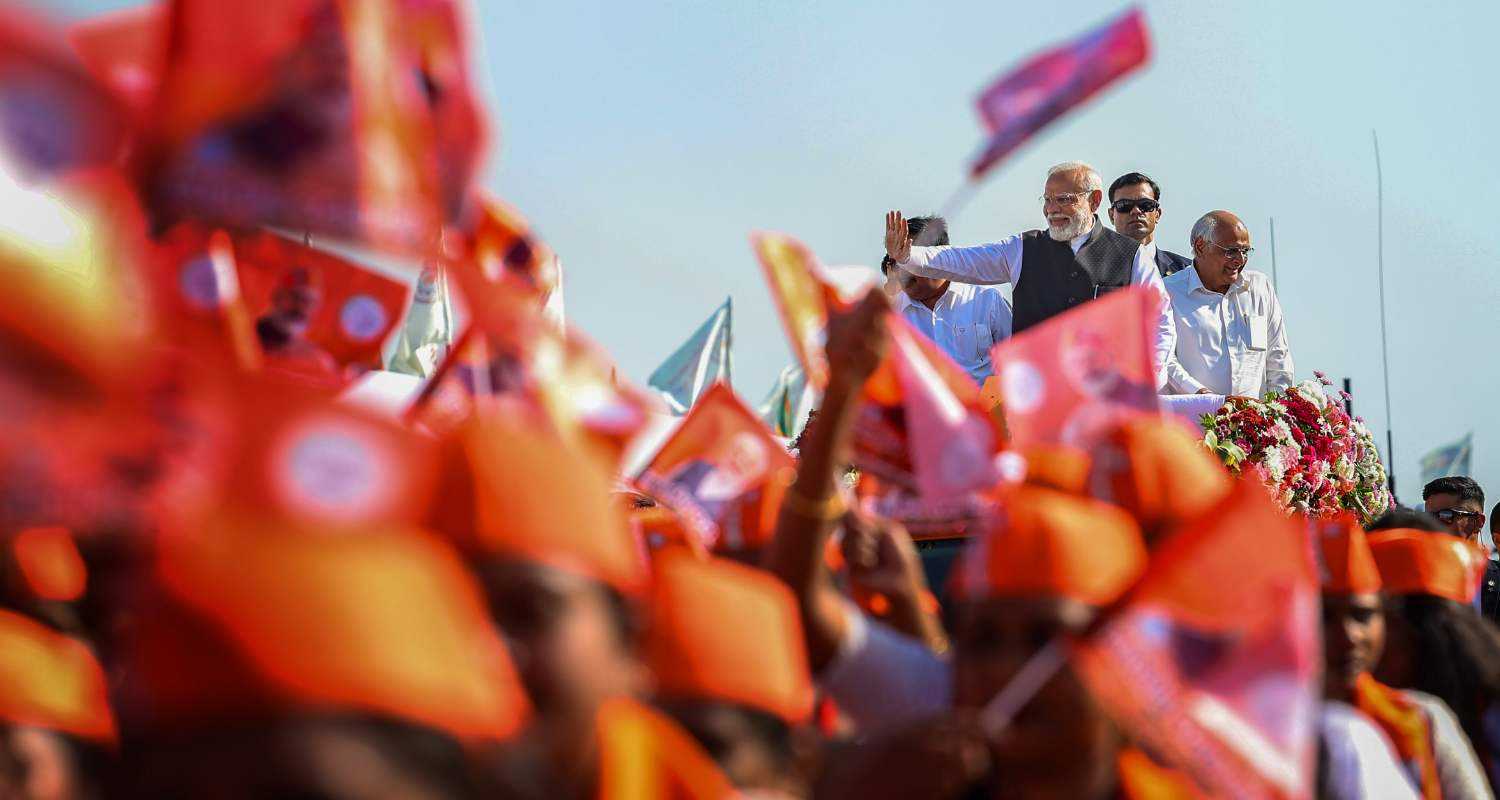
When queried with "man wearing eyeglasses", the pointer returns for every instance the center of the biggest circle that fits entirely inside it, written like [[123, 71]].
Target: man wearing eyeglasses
[[1231, 338], [1134, 210], [1072, 261]]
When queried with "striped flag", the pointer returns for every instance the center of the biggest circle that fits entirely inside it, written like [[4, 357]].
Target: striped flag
[[703, 360], [1450, 459]]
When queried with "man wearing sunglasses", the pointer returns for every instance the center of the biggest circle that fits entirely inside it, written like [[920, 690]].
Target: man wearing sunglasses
[[1134, 210], [1070, 262], [1458, 502], [1231, 338]]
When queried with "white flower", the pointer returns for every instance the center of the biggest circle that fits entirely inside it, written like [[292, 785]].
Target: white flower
[[1275, 466], [1313, 392], [1282, 431]]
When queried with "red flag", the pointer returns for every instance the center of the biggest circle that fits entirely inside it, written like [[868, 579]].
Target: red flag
[[1074, 377], [723, 471], [199, 301], [352, 308], [124, 50], [501, 244], [1027, 99], [514, 360], [1212, 663], [347, 117], [57, 119]]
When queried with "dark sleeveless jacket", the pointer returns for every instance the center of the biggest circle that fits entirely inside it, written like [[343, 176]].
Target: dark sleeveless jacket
[[1054, 280]]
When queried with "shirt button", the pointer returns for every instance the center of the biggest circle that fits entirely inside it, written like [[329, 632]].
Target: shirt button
[[1072, 301]]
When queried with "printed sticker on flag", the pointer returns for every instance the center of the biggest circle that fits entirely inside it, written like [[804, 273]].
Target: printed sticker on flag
[[723, 471], [1077, 375]]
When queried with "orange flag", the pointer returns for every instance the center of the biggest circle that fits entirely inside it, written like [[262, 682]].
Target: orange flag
[[1212, 662], [1074, 377], [49, 563], [801, 292], [124, 50], [347, 117], [200, 305], [51, 681], [723, 471]]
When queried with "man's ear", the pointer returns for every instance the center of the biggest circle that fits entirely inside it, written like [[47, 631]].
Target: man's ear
[[1096, 198], [1197, 248]]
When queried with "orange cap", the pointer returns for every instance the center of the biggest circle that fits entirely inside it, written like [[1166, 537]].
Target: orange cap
[[1424, 562], [51, 681], [1157, 471], [49, 563], [1346, 566], [1045, 542], [645, 754], [252, 619], [726, 632], [536, 498], [1057, 466]]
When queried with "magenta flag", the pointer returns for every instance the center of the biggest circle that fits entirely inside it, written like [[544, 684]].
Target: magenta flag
[[1027, 99]]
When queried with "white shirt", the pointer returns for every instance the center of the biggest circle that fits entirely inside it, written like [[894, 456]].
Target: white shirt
[[1362, 763], [1000, 262], [1231, 343], [882, 679], [965, 322]]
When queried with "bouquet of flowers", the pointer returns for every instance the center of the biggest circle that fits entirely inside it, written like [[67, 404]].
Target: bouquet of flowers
[[1307, 450]]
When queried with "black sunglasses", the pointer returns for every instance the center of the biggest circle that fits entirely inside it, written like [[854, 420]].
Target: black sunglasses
[[1126, 205], [1448, 515]]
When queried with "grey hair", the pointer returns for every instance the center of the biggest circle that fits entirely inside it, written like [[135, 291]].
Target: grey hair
[[1091, 180], [1204, 228]]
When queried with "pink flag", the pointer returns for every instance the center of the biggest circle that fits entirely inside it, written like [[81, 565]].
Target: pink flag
[[1073, 377], [1212, 662], [1029, 98]]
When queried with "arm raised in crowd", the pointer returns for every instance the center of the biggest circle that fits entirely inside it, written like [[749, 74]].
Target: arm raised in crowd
[[812, 509], [982, 264]]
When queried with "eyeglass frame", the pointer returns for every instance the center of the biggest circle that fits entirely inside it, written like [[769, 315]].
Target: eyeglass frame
[[1077, 197], [1243, 252], [1458, 513]]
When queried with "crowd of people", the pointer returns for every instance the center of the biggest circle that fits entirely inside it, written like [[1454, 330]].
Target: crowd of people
[[221, 578]]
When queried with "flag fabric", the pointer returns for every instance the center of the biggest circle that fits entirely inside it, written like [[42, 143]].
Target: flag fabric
[[645, 755], [200, 303], [704, 359], [124, 51], [789, 403], [924, 441], [51, 681], [1212, 663], [353, 119], [722, 471], [1074, 377], [1451, 459], [801, 293], [1028, 98], [57, 118]]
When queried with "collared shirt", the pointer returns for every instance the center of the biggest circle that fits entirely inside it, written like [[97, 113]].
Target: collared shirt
[[965, 322], [1000, 262], [1230, 343]]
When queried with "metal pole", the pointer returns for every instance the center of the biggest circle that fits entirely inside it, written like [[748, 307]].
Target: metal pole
[[1349, 399], [1275, 281], [1385, 362]]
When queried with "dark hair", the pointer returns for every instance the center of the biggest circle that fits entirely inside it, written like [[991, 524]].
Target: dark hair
[[1464, 487], [1131, 179], [716, 724], [1457, 658], [1495, 518], [1412, 518], [936, 229]]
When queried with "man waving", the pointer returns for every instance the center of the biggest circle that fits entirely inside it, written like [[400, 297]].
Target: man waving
[[1074, 260]]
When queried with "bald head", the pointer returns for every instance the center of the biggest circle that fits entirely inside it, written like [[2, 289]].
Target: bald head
[[1221, 250]]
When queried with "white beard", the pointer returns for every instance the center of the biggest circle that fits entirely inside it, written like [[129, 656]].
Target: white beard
[[1075, 228]]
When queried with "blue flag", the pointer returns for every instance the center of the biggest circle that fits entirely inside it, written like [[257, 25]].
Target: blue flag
[[1452, 459], [701, 361]]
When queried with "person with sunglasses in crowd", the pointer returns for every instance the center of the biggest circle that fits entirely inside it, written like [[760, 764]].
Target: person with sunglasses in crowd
[[1135, 210], [1231, 337], [1458, 502]]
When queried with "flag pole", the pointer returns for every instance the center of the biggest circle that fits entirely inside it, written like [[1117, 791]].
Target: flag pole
[[1385, 363], [958, 199], [1275, 280]]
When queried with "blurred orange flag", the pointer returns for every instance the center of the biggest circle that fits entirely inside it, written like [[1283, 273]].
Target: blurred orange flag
[[348, 117], [723, 471], [124, 50], [644, 755], [49, 563], [200, 303], [801, 292], [51, 681]]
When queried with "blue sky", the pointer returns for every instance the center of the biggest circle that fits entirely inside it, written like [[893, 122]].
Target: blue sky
[[645, 141]]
